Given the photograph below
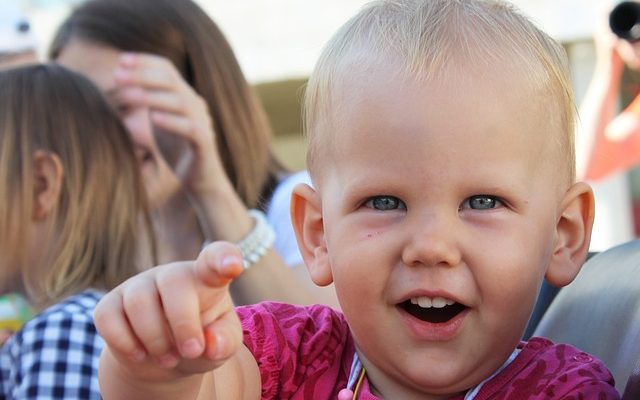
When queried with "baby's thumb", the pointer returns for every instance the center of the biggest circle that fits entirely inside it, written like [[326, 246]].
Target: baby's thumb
[[219, 263], [223, 337]]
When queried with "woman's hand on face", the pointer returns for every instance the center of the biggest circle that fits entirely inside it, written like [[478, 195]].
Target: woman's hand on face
[[182, 124]]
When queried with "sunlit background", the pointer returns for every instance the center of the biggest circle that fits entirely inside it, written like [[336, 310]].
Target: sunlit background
[[278, 41]]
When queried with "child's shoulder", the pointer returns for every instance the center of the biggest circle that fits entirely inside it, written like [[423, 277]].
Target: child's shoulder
[[563, 358], [299, 349], [290, 311], [292, 322], [75, 309], [66, 321], [544, 370], [57, 351]]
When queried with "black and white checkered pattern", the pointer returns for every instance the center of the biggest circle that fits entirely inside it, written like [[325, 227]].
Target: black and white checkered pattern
[[55, 355]]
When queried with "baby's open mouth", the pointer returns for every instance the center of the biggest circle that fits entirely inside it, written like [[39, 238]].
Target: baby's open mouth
[[432, 309]]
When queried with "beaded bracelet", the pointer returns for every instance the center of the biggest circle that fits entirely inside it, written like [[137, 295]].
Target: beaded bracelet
[[258, 241]]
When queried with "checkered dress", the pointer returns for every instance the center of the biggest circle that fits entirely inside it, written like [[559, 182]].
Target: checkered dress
[[55, 354]]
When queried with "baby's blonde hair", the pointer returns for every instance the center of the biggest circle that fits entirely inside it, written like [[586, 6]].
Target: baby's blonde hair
[[101, 211], [430, 40]]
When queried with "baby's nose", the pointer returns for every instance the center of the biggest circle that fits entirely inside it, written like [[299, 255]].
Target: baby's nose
[[433, 242]]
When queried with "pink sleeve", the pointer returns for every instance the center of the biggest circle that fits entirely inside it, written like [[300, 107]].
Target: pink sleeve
[[561, 371], [299, 350], [585, 377], [546, 371], [595, 389]]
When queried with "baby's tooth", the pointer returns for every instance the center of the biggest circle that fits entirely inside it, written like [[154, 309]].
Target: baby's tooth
[[439, 302], [424, 302], [450, 302], [414, 300]]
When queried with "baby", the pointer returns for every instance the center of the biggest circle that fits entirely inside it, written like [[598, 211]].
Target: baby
[[441, 152]]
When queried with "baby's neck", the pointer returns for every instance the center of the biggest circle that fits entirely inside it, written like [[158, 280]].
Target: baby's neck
[[397, 392], [384, 387]]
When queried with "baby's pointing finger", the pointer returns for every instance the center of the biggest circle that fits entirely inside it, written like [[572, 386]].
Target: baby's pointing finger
[[188, 293], [182, 309], [223, 337], [218, 264]]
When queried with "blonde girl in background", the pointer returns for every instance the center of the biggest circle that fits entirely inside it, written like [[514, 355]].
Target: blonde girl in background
[[72, 216], [17, 47]]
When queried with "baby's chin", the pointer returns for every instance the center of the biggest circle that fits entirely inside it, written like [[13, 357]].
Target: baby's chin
[[436, 387], [432, 378]]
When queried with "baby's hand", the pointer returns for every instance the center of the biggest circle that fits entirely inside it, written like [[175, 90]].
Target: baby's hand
[[176, 319]]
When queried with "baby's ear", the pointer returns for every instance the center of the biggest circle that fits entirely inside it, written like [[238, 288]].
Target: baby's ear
[[306, 215], [48, 173], [573, 235]]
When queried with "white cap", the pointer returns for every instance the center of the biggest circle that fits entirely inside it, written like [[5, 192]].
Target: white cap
[[16, 35]]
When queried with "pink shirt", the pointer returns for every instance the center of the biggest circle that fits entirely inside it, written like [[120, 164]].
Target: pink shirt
[[306, 353]]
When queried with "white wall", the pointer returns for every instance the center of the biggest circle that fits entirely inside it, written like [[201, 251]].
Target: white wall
[[279, 38], [274, 39], [566, 20]]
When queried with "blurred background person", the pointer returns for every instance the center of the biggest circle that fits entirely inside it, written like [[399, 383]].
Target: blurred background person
[[201, 135], [608, 138], [17, 47], [70, 224], [612, 138]]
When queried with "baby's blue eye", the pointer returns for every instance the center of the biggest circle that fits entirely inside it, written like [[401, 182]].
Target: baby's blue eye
[[384, 203], [481, 202]]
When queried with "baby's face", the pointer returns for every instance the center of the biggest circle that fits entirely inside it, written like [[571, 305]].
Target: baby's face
[[440, 209]]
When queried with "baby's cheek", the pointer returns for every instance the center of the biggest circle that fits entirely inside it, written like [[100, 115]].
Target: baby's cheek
[[514, 303]]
